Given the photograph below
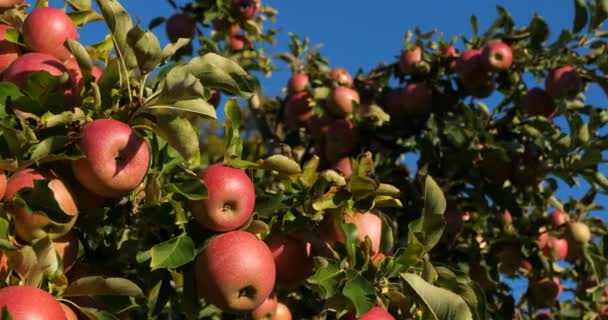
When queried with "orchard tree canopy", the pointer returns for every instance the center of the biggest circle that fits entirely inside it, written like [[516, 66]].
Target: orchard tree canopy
[[124, 197]]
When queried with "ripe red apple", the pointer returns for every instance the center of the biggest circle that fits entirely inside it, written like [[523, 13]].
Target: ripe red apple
[[477, 80], [376, 259], [375, 313], [505, 217], [2, 184], [552, 247], [230, 200], [510, 259], [226, 27], [340, 140], [180, 25], [298, 82], [368, 225], [341, 77], [28, 63], [75, 74], [454, 219], [46, 30], [9, 51], [340, 101], [282, 312], [33, 226], [67, 248], [291, 258], [267, 310], [579, 232], [7, 4], [414, 99], [297, 109], [558, 218], [25, 302], [542, 293], [344, 166], [69, 313], [116, 166], [409, 59], [563, 83], [246, 9], [497, 56], [450, 54], [235, 272], [96, 72], [319, 126], [239, 42], [537, 102]]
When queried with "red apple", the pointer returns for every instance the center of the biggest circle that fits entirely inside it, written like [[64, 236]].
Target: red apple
[[9, 51], [340, 101], [552, 247], [224, 26], [116, 166], [454, 221], [298, 82], [414, 99], [369, 225], [340, 139], [230, 200], [563, 83], [293, 262], [28, 63], [344, 166], [75, 74], [319, 126], [505, 218], [375, 313], [69, 313], [377, 258], [25, 302], [266, 310], [35, 225], [7, 4], [67, 248], [235, 272], [2, 184], [215, 98], [409, 59], [542, 293], [96, 72], [450, 54], [341, 77], [537, 102], [180, 25], [510, 259], [497, 56], [246, 9], [239, 42], [558, 218], [282, 312], [477, 80], [46, 30], [297, 109]]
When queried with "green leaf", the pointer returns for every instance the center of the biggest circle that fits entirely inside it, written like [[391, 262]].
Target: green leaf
[[197, 106], [234, 144], [181, 135], [146, 48], [227, 75], [362, 187], [580, 15], [361, 293], [539, 32], [80, 5], [120, 23], [82, 57], [172, 254], [282, 164], [42, 199], [81, 18], [48, 146], [50, 120], [97, 314], [438, 303], [5, 314], [100, 286], [170, 49], [8, 90], [326, 279], [434, 200], [193, 189], [430, 226]]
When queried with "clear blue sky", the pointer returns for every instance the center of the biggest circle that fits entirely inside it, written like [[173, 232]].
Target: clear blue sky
[[361, 33]]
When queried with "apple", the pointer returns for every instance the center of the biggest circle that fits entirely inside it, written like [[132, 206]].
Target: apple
[[96, 72], [340, 139], [319, 126], [36, 225], [75, 74], [9, 51], [537, 102], [298, 82], [67, 248], [552, 247], [563, 83], [2, 184], [377, 258], [235, 272], [7, 4], [409, 59], [454, 219], [267, 310], [226, 27], [46, 29], [505, 218], [542, 293], [28, 63], [476, 79], [375, 313], [230, 200], [449, 53], [246, 9], [116, 166], [291, 258], [180, 25], [215, 98], [510, 259], [497, 56], [579, 232], [25, 302], [341, 77], [340, 101], [297, 109], [344, 166], [415, 99], [369, 225], [282, 312], [543, 316], [239, 42], [69, 313], [558, 218]]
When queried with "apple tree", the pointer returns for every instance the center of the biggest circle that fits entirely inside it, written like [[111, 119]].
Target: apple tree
[[124, 197]]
